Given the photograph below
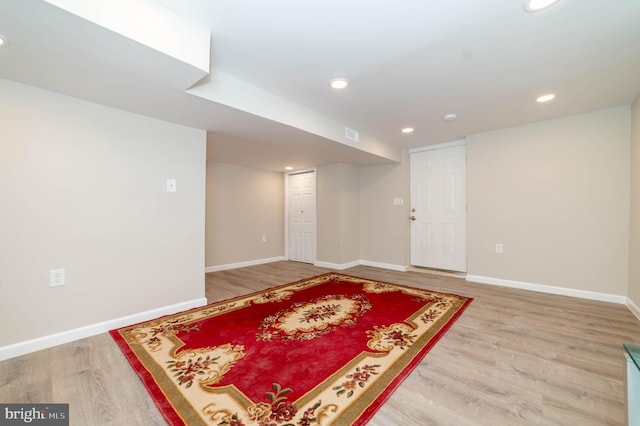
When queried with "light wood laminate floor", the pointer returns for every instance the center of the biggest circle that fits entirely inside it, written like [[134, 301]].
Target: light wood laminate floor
[[514, 358]]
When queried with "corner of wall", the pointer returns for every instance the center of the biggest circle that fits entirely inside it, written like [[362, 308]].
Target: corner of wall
[[633, 289]]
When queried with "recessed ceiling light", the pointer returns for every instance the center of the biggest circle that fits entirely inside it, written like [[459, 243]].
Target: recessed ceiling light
[[339, 83], [288, 168], [537, 5], [407, 130], [546, 98], [450, 117]]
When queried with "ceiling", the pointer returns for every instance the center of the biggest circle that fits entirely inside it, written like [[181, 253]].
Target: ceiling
[[264, 97]]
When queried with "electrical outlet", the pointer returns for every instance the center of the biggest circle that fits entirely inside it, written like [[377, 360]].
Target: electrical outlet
[[499, 248], [56, 277]]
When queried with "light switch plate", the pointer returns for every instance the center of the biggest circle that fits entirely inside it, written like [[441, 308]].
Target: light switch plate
[[171, 185], [56, 277]]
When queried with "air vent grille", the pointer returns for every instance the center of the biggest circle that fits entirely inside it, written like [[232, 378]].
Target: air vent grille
[[351, 134]]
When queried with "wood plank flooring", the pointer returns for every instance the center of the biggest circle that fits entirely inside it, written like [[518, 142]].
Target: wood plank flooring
[[514, 358]]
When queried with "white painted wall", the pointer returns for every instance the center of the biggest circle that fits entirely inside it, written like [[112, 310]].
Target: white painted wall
[[82, 187]]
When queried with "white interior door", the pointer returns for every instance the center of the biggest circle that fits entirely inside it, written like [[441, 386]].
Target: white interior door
[[439, 212], [301, 222]]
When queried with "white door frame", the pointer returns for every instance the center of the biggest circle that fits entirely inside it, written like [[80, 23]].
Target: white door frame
[[286, 210], [461, 142]]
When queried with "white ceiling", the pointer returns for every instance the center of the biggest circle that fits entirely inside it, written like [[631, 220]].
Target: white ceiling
[[409, 63]]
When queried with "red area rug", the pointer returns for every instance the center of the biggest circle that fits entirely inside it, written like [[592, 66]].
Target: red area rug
[[324, 350]]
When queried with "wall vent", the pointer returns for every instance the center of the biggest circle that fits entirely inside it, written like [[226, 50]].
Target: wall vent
[[351, 134]]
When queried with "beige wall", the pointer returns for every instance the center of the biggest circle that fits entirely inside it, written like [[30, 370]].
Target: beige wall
[[556, 194], [234, 194], [385, 227], [338, 239], [634, 243], [243, 205], [82, 187]]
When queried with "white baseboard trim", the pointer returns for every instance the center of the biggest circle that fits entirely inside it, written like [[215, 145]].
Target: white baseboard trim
[[337, 266], [243, 264], [582, 294], [342, 266], [33, 345], [390, 266], [633, 308], [320, 264]]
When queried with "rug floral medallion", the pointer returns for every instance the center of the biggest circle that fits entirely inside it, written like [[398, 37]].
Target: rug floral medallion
[[326, 350]]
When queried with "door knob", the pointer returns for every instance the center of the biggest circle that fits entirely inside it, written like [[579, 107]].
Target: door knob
[[412, 218]]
